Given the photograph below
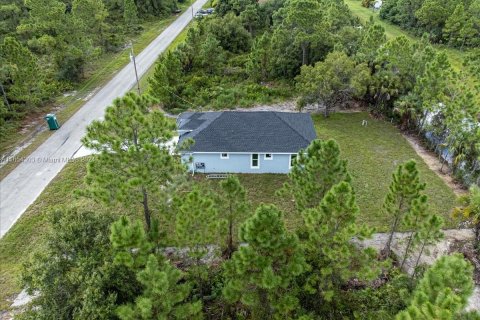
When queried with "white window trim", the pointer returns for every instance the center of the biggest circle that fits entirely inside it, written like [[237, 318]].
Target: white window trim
[[265, 156], [290, 160], [251, 161], [222, 157]]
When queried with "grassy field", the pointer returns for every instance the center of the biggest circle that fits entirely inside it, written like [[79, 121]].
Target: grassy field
[[99, 72], [373, 152]]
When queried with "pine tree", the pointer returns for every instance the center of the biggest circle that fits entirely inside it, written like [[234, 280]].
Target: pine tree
[[92, 14], [130, 243], [432, 86], [197, 223], [454, 26], [164, 291], [166, 82], [413, 221], [373, 38], [20, 75], [130, 14], [403, 190], [250, 17], [134, 163], [211, 56], [259, 62], [331, 254], [163, 294], [235, 210], [430, 232], [198, 227], [314, 172], [261, 274], [443, 291], [302, 18]]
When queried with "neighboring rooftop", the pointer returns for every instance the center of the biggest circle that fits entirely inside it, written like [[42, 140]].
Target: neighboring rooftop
[[238, 131]]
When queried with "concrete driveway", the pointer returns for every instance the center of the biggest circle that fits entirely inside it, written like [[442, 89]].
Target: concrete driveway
[[26, 182]]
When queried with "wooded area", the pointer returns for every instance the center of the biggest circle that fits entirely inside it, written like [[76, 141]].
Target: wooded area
[[45, 46], [456, 23]]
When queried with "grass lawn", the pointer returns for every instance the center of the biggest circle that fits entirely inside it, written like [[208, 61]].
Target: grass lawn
[[373, 152]]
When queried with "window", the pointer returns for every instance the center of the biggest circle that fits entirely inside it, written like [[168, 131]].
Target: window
[[223, 155], [255, 163], [268, 156], [292, 159]]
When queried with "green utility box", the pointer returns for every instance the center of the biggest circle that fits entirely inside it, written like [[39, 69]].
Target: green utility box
[[52, 121]]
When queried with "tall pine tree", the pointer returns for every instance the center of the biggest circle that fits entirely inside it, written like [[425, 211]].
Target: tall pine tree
[[133, 166], [333, 258], [413, 221], [235, 208], [404, 189], [261, 274], [130, 14], [314, 172]]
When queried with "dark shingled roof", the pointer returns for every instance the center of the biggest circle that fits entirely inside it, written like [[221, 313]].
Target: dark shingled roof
[[235, 131]]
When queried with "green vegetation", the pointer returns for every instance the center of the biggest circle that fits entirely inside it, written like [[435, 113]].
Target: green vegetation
[[299, 261], [443, 292], [456, 57], [96, 70], [372, 153], [235, 59], [443, 21], [28, 235], [97, 73]]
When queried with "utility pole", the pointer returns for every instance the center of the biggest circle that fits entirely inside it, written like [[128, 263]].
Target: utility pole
[[132, 57]]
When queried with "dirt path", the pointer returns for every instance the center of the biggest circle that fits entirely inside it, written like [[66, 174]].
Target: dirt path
[[435, 165]]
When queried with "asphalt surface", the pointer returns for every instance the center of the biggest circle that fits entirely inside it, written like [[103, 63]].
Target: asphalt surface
[[26, 182]]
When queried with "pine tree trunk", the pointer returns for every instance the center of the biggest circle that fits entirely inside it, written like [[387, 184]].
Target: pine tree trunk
[[407, 248], [304, 53], [418, 259], [230, 247], [146, 209], [386, 250]]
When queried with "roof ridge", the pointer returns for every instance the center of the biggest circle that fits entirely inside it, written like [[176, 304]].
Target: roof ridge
[[288, 124]]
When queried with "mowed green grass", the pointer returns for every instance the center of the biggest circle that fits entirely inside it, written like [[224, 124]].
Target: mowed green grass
[[373, 152]]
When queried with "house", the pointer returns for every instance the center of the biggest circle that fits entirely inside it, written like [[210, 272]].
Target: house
[[244, 142]]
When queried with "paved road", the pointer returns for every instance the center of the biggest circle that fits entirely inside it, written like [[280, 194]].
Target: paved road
[[23, 185]]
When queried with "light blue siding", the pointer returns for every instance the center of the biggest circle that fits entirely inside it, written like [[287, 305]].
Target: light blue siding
[[239, 163]]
